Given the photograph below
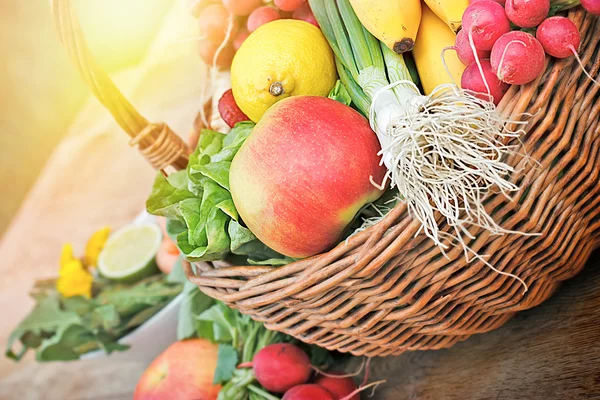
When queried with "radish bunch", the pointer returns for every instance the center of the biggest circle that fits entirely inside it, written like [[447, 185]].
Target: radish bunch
[[284, 368], [225, 24], [497, 57]]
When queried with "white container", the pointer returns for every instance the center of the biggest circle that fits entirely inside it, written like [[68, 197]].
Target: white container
[[151, 338]]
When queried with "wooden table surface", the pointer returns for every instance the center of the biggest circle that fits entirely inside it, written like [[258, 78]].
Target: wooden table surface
[[94, 179]]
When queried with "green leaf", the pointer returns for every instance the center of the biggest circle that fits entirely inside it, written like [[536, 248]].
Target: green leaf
[[70, 342], [167, 194], [203, 219], [177, 275], [223, 321], [243, 242], [143, 316], [129, 300], [78, 304], [62, 346], [105, 317], [45, 318], [194, 302], [339, 93], [226, 364]]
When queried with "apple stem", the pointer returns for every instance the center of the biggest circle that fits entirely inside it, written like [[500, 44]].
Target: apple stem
[[248, 364]]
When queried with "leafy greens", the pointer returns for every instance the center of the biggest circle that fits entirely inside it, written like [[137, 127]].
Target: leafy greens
[[62, 329], [199, 206]]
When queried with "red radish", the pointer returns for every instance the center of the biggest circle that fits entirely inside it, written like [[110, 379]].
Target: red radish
[[492, 86], [304, 13], [239, 39], [517, 58], [592, 6], [261, 16], [279, 367], [229, 110], [485, 21], [242, 7], [196, 6], [213, 22], [527, 13], [308, 392], [289, 5], [207, 50], [497, 1], [340, 387], [559, 37], [464, 50]]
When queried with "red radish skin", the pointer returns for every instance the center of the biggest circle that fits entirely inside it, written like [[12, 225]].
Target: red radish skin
[[213, 22], [240, 38], [517, 58], [485, 21], [207, 50], [242, 8], [472, 80], [289, 5], [281, 366], [502, 2], [340, 387], [304, 13], [261, 16], [229, 110], [308, 392], [527, 13], [464, 50], [559, 37], [591, 6]]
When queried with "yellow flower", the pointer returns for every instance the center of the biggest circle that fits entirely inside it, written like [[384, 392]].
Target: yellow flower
[[66, 255], [94, 247], [74, 280]]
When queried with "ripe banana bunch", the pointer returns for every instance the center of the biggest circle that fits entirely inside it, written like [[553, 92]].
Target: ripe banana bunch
[[449, 11], [393, 22], [435, 36]]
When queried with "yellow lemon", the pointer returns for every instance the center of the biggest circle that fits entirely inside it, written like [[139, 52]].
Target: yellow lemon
[[280, 59]]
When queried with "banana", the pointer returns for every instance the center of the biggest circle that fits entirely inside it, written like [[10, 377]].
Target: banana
[[434, 35], [394, 22], [449, 11]]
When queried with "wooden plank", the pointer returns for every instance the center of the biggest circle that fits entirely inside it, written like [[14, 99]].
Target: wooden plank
[[548, 352]]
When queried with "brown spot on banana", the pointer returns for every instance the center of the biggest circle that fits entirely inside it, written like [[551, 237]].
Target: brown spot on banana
[[404, 45]]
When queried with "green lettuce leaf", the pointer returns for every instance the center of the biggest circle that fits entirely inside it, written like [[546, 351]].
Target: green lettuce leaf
[[167, 194], [203, 220]]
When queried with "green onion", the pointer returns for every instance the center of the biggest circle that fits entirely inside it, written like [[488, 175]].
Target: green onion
[[444, 152]]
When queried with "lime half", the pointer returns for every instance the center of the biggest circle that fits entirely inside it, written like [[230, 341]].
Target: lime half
[[129, 253]]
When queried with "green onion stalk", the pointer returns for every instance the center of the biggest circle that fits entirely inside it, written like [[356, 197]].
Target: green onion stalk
[[444, 152]]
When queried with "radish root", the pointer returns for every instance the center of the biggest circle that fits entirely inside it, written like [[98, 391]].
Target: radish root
[[504, 54], [447, 153], [479, 67], [445, 64], [362, 388], [352, 375], [582, 66]]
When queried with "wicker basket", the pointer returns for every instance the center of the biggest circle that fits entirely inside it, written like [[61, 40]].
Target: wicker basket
[[385, 290]]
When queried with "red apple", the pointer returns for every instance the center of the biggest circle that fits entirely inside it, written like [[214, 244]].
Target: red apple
[[182, 372], [304, 173]]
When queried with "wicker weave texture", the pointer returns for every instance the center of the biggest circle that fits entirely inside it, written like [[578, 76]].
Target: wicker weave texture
[[385, 290]]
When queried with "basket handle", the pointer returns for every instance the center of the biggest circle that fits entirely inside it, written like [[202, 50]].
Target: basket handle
[[156, 141]]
